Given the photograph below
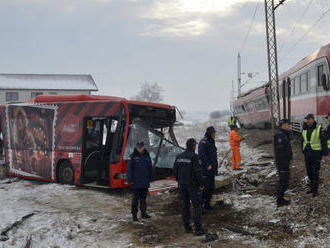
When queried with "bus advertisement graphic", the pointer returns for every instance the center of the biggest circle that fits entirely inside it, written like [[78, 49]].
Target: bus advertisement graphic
[[31, 140]]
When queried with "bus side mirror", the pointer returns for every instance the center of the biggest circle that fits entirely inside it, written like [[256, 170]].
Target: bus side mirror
[[325, 82]]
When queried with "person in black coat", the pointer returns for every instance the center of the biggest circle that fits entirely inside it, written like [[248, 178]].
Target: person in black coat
[[187, 172], [139, 175], [207, 152], [283, 156], [314, 147]]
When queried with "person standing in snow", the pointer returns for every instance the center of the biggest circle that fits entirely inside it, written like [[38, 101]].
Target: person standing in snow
[[283, 156], [187, 171], [235, 141], [208, 155], [315, 149], [139, 175], [231, 121]]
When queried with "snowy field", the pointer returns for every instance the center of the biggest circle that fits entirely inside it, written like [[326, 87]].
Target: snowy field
[[64, 216], [70, 216]]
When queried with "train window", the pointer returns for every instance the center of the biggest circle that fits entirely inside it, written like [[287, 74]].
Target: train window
[[293, 86], [304, 83], [261, 103], [319, 75], [240, 109], [249, 107], [297, 86]]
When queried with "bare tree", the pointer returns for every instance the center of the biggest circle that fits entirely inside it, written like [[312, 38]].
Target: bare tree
[[150, 93]]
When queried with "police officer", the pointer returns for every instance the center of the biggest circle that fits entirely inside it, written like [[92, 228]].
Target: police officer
[[207, 152], [283, 156], [139, 174], [314, 147], [187, 172]]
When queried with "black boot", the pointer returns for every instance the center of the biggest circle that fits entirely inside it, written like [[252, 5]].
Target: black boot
[[135, 218], [315, 194], [199, 231], [145, 216], [208, 207], [282, 202], [187, 228]]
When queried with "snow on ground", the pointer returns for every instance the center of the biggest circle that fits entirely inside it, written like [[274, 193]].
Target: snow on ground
[[65, 216], [69, 216], [197, 131]]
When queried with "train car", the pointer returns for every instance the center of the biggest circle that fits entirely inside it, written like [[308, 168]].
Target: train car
[[252, 108], [305, 88]]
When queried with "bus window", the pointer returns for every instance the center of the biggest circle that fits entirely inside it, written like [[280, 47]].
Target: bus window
[[94, 136], [140, 133], [162, 152], [167, 155], [105, 133]]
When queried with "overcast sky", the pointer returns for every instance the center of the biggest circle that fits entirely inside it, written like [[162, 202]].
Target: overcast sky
[[189, 47]]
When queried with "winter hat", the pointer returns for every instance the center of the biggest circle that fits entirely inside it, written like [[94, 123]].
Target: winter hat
[[190, 143]]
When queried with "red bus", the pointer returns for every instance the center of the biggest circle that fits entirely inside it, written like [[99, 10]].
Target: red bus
[[84, 139]]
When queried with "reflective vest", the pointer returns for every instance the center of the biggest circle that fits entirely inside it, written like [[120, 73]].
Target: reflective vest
[[231, 122], [315, 140]]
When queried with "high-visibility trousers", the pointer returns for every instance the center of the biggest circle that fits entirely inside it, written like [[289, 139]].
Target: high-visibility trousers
[[236, 158]]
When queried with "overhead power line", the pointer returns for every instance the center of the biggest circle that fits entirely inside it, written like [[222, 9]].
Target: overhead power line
[[250, 27], [305, 34], [295, 26]]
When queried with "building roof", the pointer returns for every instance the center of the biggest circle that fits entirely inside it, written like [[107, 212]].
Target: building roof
[[47, 82]]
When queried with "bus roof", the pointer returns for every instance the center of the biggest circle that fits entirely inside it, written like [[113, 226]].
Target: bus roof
[[93, 98]]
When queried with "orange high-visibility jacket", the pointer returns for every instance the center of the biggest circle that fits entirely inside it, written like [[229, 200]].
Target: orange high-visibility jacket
[[235, 140]]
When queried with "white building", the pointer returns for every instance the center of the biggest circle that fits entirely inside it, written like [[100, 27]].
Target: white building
[[23, 87]]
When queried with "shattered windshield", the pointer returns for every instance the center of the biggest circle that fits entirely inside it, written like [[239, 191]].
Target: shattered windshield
[[162, 152]]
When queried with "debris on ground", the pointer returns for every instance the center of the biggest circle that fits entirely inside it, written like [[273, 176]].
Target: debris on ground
[[245, 212]]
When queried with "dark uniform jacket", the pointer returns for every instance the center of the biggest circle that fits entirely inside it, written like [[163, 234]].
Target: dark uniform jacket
[[207, 152], [187, 169], [139, 170], [308, 149], [283, 150]]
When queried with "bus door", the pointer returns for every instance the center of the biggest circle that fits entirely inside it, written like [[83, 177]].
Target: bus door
[[98, 139]]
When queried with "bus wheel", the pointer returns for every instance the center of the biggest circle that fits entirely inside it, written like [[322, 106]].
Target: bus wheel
[[66, 173]]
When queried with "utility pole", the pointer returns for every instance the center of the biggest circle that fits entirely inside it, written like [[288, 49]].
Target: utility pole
[[232, 97], [239, 74], [272, 61]]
